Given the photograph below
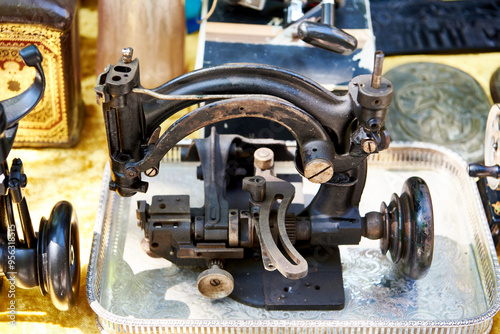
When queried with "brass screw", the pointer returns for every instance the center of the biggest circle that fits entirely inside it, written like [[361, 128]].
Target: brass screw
[[369, 146], [151, 172]]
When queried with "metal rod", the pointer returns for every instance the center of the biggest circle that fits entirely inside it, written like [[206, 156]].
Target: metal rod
[[377, 69], [26, 225], [8, 221], [17, 181]]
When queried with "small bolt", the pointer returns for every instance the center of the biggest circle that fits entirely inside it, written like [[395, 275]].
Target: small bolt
[[495, 146], [264, 158], [131, 172], [127, 54], [151, 172], [369, 146], [112, 186], [215, 282]]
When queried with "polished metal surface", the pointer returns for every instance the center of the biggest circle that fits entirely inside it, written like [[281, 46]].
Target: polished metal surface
[[131, 292]]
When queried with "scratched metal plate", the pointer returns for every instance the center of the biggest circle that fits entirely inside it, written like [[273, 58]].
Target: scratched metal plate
[[131, 292], [495, 86], [438, 104]]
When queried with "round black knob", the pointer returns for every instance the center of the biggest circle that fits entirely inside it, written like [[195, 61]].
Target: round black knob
[[409, 229]]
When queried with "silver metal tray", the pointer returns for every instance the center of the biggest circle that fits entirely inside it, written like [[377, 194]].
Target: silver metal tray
[[133, 293]]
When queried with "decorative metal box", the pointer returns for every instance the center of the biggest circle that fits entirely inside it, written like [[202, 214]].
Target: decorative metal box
[[52, 26]]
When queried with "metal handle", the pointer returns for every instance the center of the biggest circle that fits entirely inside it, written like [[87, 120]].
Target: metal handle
[[325, 35]]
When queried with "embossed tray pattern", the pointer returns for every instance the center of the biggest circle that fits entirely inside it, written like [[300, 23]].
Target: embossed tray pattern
[[132, 293]]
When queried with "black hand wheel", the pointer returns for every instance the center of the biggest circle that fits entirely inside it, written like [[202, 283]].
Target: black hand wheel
[[409, 228], [58, 257]]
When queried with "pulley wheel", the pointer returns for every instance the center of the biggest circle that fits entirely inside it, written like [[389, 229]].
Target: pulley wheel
[[409, 229], [492, 143], [58, 257]]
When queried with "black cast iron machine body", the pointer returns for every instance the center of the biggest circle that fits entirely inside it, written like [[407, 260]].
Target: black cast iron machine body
[[256, 250]]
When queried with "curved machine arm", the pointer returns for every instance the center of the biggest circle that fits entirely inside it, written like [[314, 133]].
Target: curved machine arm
[[347, 128], [317, 152]]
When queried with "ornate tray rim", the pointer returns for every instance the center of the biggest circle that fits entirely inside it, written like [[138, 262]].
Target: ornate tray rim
[[431, 155]]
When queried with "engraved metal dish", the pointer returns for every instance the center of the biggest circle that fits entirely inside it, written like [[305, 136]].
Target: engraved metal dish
[[438, 104], [133, 293]]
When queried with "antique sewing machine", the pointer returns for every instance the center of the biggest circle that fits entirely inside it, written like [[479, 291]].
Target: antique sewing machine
[[258, 247], [49, 259]]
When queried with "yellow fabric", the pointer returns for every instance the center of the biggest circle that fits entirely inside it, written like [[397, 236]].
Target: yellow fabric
[[75, 175]]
